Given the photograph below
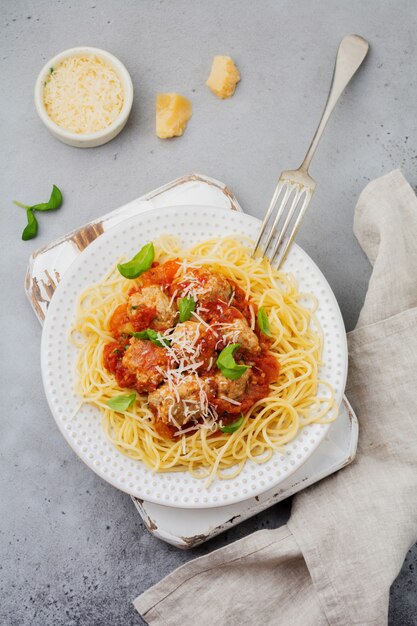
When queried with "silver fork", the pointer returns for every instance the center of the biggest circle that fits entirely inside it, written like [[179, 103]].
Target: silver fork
[[296, 187]]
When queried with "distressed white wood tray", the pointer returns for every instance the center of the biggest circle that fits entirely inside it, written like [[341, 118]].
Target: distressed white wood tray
[[186, 528]]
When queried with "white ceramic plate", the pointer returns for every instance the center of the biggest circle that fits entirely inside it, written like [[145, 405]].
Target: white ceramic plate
[[83, 429]]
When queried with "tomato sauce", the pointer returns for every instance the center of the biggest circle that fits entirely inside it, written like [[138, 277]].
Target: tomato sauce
[[207, 346], [142, 318], [241, 303], [159, 274], [112, 359], [120, 322], [264, 367], [165, 430], [220, 312]]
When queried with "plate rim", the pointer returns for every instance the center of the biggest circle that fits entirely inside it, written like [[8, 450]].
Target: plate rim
[[98, 470]]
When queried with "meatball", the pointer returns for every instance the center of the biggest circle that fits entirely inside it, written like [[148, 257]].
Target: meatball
[[233, 389], [182, 405], [185, 339], [193, 342], [203, 286], [217, 288], [147, 362], [238, 331], [151, 299]]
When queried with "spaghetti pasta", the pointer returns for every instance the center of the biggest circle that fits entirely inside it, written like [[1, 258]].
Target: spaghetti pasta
[[296, 398]]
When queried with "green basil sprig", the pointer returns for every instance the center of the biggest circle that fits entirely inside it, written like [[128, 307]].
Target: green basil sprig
[[53, 203], [263, 321], [121, 403], [141, 262], [31, 228], [234, 426], [186, 306], [227, 364], [153, 336]]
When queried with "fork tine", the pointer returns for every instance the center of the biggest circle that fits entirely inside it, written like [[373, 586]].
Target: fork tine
[[285, 212], [287, 244], [278, 216], [287, 220], [271, 207]]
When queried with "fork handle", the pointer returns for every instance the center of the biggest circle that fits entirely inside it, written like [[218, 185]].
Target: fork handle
[[352, 51]]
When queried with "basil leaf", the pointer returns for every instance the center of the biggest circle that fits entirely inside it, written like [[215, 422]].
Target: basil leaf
[[153, 336], [186, 306], [227, 365], [231, 428], [121, 403], [53, 203], [139, 264], [158, 339], [143, 334], [32, 226], [263, 321]]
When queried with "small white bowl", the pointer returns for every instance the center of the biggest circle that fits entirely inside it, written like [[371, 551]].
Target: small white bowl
[[86, 140]]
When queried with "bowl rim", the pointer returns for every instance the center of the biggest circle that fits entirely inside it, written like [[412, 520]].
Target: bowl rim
[[125, 79]]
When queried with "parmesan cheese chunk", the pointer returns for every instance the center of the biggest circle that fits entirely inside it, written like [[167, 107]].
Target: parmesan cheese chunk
[[224, 77], [83, 94], [172, 114]]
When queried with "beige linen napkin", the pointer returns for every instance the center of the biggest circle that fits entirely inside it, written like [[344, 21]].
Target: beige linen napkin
[[335, 560]]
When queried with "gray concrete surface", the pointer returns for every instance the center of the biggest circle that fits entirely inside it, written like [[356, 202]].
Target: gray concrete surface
[[74, 551]]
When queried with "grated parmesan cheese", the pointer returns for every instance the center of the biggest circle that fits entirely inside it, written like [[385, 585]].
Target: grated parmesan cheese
[[235, 402], [83, 94]]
